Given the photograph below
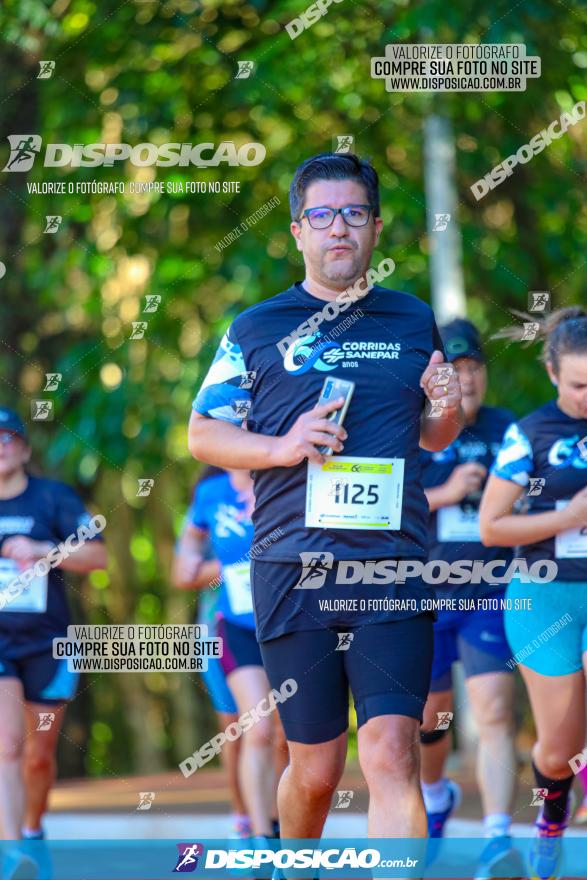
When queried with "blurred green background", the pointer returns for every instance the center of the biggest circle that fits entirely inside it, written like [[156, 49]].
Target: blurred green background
[[150, 71]]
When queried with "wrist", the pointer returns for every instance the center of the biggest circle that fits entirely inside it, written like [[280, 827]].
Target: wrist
[[273, 453]]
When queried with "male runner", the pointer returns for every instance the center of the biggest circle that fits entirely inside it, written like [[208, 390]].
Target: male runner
[[270, 367]]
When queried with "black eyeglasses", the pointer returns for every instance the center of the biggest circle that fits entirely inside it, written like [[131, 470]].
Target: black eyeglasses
[[323, 217]]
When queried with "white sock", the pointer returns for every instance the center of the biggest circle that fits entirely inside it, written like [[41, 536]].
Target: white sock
[[436, 796], [497, 825]]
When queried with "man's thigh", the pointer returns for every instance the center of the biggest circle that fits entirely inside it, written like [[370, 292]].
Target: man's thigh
[[318, 711], [388, 666]]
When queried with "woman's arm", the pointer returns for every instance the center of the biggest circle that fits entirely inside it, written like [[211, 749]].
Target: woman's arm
[[499, 527], [190, 571]]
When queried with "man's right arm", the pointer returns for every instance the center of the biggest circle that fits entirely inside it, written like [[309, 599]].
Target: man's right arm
[[225, 445]]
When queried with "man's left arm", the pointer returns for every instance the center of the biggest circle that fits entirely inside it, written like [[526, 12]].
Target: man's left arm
[[442, 420]]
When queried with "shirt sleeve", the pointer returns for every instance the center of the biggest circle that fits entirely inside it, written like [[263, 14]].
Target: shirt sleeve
[[197, 514], [225, 392], [71, 513], [515, 459], [437, 342]]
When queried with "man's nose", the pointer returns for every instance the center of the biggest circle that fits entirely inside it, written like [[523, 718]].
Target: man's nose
[[339, 227]]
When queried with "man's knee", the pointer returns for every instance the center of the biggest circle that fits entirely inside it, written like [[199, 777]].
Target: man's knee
[[38, 761], [494, 713], [398, 757], [316, 778]]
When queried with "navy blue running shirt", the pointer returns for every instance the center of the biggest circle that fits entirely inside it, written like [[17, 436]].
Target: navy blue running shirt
[[47, 510], [383, 343], [451, 528], [544, 446]]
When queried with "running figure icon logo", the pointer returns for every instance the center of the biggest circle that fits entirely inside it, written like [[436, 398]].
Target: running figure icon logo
[[444, 719], [538, 796], [539, 301], [344, 641], [46, 69], [536, 485], [343, 143], [187, 860], [441, 222], [42, 410], [23, 151], [344, 799], [315, 566], [146, 799], [52, 223], [46, 719]]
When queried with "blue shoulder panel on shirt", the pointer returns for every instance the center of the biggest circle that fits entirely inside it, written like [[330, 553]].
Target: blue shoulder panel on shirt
[[515, 460], [224, 392]]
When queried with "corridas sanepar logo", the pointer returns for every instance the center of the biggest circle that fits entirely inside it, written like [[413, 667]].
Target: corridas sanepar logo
[[24, 149]]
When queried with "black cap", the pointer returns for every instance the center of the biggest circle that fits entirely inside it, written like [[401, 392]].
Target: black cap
[[461, 339], [11, 421]]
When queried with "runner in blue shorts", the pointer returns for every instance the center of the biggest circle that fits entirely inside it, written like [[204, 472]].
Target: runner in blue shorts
[[544, 458], [221, 512], [36, 515], [330, 531], [454, 480], [191, 571]]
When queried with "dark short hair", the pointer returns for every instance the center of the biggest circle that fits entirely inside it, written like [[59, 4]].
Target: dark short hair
[[333, 166]]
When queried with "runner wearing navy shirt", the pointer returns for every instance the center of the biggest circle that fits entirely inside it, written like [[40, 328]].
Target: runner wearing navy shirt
[[544, 457], [270, 368], [221, 512], [454, 480], [36, 515]]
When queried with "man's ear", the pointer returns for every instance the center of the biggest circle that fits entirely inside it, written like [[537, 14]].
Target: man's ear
[[551, 374], [296, 231]]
